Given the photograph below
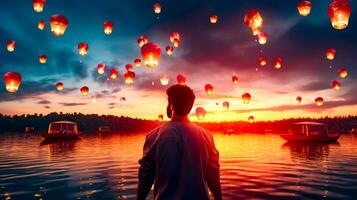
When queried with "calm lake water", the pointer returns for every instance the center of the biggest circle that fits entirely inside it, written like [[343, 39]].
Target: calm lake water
[[253, 166]]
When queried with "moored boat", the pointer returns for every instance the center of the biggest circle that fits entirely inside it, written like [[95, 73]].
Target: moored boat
[[310, 132], [62, 130]]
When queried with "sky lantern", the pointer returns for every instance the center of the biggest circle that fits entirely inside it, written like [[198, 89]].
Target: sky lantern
[[235, 79], [142, 40], [304, 7], [173, 36], [336, 85], [251, 119], [129, 77], [108, 27], [129, 67], [342, 72], [319, 101], [246, 98], [122, 99], [213, 19], [42, 59], [38, 5], [164, 80], [93, 99], [58, 24], [150, 53], [10, 45], [157, 8], [225, 105], [253, 20], [176, 43], [113, 74], [298, 99], [169, 50], [278, 62], [12, 81], [339, 12], [59, 86], [161, 117], [330, 54], [200, 113], [262, 38], [101, 68], [209, 89], [84, 90], [137, 62], [41, 25], [181, 79], [263, 61], [83, 48]]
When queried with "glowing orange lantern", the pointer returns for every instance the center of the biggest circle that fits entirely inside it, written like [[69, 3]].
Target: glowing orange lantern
[[235, 79], [213, 19], [343, 73], [251, 119], [59, 86], [339, 12], [41, 25], [85, 90], [137, 62], [278, 62], [161, 117], [304, 7], [176, 43], [254, 21], [164, 80], [246, 98], [225, 105], [142, 40], [108, 27], [174, 35], [129, 77], [113, 74], [58, 24], [42, 59], [263, 61], [262, 38], [200, 113], [336, 85], [209, 89], [169, 50], [38, 5], [101, 68], [298, 99], [150, 53], [330, 54], [157, 8], [83, 48], [181, 79], [12, 81], [129, 67], [122, 99], [10, 45], [319, 101]]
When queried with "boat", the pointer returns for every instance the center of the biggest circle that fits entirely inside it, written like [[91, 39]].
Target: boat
[[29, 130], [104, 130], [61, 130], [310, 132], [353, 131]]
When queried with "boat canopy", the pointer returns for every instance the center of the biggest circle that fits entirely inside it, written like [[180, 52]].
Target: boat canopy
[[308, 129], [67, 127]]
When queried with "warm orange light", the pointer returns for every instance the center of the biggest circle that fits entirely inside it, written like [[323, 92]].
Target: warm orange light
[[129, 77], [108, 27], [319, 101], [278, 62], [164, 80], [101, 68], [263, 61], [251, 119], [254, 21], [169, 50], [213, 19], [129, 67], [38, 5], [173, 36], [150, 53], [41, 25], [83, 48], [58, 24], [10, 45], [209, 89], [298, 99], [246, 98], [225, 105], [235, 79], [42, 59], [176, 43], [113, 74], [304, 7], [200, 113], [84, 90], [339, 12], [157, 8], [262, 38], [12, 81], [336, 85], [59, 86], [160, 117], [342, 72], [93, 99], [330, 54], [137, 62], [142, 40], [181, 79]]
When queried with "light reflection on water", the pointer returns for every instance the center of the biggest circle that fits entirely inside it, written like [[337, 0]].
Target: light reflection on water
[[252, 166]]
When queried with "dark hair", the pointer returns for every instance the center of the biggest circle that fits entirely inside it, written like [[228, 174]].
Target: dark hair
[[181, 97]]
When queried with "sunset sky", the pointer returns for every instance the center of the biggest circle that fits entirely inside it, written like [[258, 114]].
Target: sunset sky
[[208, 53]]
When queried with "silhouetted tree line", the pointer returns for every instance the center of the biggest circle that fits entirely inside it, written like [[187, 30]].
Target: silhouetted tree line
[[91, 122]]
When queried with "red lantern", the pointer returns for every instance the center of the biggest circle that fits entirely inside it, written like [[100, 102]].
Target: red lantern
[[342, 73], [157, 8], [213, 19], [58, 24], [304, 7], [137, 62], [59, 86], [41, 25], [319, 101], [251, 119], [161, 117], [101, 68], [83, 48], [254, 21], [12, 81], [278, 62], [339, 12], [42, 59], [142, 40], [176, 43], [10, 45], [330, 54], [209, 89], [336, 85], [181, 79], [200, 113], [113, 74], [164, 80], [263, 61], [174, 35], [108, 27], [150, 53], [235, 79], [129, 77], [85, 90], [262, 38], [129, 67], [246, 98], [225, 105], [38, 5], [298, 99], [169, 50]]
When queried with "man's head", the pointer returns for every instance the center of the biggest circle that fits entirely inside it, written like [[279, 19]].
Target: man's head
[[181, 99]]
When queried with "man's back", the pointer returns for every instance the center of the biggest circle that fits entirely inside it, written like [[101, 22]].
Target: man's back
[[182, 159]]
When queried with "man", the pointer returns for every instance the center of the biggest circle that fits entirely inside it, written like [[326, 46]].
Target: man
[[179, 156]]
